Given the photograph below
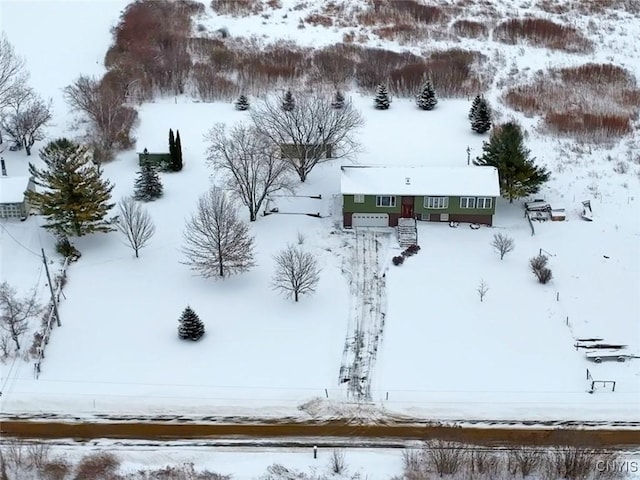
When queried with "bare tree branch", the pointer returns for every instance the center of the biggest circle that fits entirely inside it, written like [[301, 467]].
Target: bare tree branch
[[104, 106], [12, 71], [309, 128], [135, 223], [217, 242], [28, 116], [502, 244], [16, 312], [482, 289], [297, 272], [251, 163]]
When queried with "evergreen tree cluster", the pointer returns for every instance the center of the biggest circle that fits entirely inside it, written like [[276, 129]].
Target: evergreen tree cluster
[[75, 199], [147, 186], [518, 174], [426, 99], [288, 102], [242, 103], [175, 151], [381, 101], [191, 327], [480, 115]]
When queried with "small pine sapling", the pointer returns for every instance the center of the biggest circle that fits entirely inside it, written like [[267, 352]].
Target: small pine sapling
[[381, 100], [242, 103], [288, 101], [191, 327], [502, 244], [338, 100], [426, 99]]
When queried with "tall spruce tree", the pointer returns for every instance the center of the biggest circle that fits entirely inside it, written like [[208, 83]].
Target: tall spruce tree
[[177, 164], [147, 186], [172, 149], [480, 115], [191, 327], [242, 103], [381, 100], [288, 101], [338, 100], [426, 99], [519, 176], [75, 199]]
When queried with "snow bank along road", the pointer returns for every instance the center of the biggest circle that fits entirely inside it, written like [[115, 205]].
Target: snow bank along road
[[319, 431]]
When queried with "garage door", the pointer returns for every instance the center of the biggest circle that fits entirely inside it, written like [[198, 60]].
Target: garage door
[[370, 220]]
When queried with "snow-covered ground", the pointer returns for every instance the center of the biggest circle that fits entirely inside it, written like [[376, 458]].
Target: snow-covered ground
[[443, 354]]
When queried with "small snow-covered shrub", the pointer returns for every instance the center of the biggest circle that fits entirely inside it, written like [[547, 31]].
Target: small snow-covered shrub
[[56, 469], [539, 268], [65, 248], [399, 260], [413, 249], [97, 466]]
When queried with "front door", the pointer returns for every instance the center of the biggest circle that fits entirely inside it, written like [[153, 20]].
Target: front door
[[407, 207]]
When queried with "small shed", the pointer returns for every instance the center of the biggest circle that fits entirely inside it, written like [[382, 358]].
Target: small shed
[[13, 199], [160, 160]]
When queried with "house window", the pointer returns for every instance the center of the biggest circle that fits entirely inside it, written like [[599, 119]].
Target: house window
[[385, 201], [358, 199], [436, 202], [484, 202], [467, 202]]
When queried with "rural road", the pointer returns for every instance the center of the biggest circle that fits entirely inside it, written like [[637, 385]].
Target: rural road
[[488, 436]]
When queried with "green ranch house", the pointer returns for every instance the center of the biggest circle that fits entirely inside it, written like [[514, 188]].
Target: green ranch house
[[377, 196]]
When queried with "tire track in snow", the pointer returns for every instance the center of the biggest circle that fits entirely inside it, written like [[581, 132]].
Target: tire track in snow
[[366, 315]]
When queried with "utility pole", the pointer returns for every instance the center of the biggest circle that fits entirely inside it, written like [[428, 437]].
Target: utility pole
[[468, 155], [53, 296]]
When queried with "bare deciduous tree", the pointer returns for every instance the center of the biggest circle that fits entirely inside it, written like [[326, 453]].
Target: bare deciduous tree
[[217, 242], [525, 460], [482, 289], [309, 130], [252, 165], [111, 120], [447, 457], [27, 117], [16, 312], [135, 223], [12, 71], [297, 272], [502, 244]]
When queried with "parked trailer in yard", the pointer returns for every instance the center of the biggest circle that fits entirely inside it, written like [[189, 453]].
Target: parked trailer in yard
[[599, 356]]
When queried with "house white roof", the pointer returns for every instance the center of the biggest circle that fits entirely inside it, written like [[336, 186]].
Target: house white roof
[[12, 189], [434, 181]]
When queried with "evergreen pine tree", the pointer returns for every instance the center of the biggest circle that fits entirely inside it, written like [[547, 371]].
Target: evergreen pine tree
[[427, 99], [191, 327], [75, 198], [518, 175], [147, 186], [474, 107], [481, 119], [242, 103], [288, 102], [172, 149], [338, 100], [177, 164], [381, 100]]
